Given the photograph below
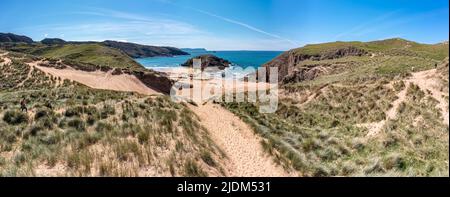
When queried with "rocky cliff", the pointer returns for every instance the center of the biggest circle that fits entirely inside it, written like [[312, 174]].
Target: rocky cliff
[[288, 61]]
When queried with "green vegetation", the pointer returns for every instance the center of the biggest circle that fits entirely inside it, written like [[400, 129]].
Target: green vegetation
[[73, 130], [394, 47], [322, 137], [337, 124], [349, 70], [91, 53], [95, 54], [15, 117]]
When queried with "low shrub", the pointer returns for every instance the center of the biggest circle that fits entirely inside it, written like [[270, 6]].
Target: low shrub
[[77, 124], [15, 117]]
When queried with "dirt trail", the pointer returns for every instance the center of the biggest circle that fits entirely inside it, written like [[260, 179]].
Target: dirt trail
[[6, 60], [29, 75], [101, 80], [392, 113], [375, 127], [427, 81], [237, 140]]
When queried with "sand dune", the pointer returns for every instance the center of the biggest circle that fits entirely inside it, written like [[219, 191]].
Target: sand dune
[[100, 80], [242, 147], [238, 141], [427, 80], [6, 60]]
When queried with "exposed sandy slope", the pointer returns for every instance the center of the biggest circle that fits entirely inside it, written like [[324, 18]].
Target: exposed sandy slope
[[375, 127], [401, 96], [100, 80], [427, 81], [237, 140], [5, 59], [28, 77]]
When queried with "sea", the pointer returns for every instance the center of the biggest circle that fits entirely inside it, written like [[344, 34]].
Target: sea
[[241, 60]]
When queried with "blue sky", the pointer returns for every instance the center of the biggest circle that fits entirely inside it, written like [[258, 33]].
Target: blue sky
[[228, 24]]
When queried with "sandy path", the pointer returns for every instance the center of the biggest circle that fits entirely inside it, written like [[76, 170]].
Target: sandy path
[[28, 77], [392, 113], [5, 59], [375, 127], [428, 80], [246, 157], [101, 80], [240, 144]]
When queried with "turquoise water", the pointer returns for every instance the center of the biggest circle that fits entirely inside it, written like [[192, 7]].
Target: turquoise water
[[241, 59]]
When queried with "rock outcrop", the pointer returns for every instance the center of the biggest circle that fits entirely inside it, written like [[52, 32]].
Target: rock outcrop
[[9, 37], [139, 51], [208, 61], [155, 80], [303, 74], [287, 62]]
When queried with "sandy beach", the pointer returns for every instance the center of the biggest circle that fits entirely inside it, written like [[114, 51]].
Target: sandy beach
[[203, 87]]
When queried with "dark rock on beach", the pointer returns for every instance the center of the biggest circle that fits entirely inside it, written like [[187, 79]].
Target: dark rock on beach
[[209, 61]]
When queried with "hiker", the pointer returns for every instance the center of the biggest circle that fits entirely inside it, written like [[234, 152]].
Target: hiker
[[23, 105], [435, 65]]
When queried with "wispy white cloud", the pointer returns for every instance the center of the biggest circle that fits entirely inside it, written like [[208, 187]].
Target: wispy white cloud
[[112, 30], [235, 22], [388, 22], [395, 23], [154, 24], [366, 25], [114, 14], [116, 25], [246, 26]]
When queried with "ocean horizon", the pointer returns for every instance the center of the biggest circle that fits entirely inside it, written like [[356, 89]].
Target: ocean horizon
[[242, 59]]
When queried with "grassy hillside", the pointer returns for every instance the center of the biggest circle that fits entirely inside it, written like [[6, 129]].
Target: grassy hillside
[[91, 53], [395, 46], [72, 130], [325, 137], [364, 115], [91, 57]]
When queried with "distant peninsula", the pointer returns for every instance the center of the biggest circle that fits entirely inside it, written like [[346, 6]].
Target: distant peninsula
[[191, 50], [131, 49]]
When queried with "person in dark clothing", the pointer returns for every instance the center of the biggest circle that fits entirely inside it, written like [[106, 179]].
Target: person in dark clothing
[[23, 105], [435, 65]]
